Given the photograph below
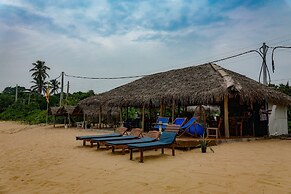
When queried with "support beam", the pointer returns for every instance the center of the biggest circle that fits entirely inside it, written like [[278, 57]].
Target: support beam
[[161, 108], [120, 117], [69, 120], [143, 117], [100, 117], [226, 123], [84, 122], [173, 109]]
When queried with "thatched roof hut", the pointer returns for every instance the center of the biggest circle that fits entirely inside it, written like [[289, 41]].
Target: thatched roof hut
[[65, 110], [206, 84], [203, 84]]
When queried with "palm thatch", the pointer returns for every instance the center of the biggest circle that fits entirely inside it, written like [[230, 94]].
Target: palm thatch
[[65, 110], [203, 84]]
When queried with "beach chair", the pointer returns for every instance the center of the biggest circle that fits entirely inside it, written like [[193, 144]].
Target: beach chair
[[179, 121], [184, 129], [120, 131], [162, 122], [167, 140], [214, 131], [122, 144], [134, 134]]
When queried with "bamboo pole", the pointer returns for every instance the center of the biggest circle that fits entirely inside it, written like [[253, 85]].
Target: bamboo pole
[[143, 118], [120, 117], [161, 108], [100, 117], [84, 122], [173, 109], [226, 123]]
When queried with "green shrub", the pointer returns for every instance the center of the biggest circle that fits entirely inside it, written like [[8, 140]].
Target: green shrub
[[27, 113]]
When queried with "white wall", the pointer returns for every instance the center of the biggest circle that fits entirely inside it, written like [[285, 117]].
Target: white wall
[[278, 122]]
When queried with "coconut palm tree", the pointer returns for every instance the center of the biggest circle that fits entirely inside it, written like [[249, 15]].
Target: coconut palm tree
[[55, 86], [39, 74]]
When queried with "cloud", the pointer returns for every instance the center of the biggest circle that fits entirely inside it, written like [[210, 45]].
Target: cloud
[[116, 38]]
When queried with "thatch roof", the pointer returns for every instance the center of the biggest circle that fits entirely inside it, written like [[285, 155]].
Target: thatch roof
[[203, 84], [65, 110]]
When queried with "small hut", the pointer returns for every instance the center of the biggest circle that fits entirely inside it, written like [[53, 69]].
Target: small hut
[[67, 112]]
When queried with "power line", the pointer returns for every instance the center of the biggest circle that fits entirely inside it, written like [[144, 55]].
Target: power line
[[121, 77], [262, 51], [137, 76]]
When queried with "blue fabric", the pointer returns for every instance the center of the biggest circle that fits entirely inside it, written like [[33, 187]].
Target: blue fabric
[[167, 138], [126, 137], [164, 120], [124, 142], [179, 121], [196, 129], [189, 123], [98, 136]]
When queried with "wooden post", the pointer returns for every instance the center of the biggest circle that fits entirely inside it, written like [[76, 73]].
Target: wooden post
[[54, 120], [100, 117], [84, 122], [161, 108], [143, 117], [173, 110], [120, 117], [69, 119], [226, 124]]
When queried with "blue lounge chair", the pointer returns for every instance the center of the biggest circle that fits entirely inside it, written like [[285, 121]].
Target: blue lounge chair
[[179, 121], [197, 130], [122, 144], [161, 121], [167, 140], [134, 134], [120, 131], [184, 129]]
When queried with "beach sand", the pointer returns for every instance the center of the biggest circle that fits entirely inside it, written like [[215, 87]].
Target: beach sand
[[43, 159]]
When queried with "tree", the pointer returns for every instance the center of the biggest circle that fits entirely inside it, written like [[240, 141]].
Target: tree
[[12, 90], [55, 86], [39, 74]]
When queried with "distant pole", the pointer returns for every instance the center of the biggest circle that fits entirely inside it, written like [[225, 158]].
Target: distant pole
[[62, 89], [16, 92], [68, 87], [264, 63]]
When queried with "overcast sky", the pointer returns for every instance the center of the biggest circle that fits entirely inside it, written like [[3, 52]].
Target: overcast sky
[[100, 38]]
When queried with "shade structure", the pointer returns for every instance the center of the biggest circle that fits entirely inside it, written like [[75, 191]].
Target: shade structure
[[203, 84]]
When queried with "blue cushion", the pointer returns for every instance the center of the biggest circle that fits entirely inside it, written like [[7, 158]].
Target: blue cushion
[[126, 137], [124, 142], [98, 136], [179, 121], [167, 138]]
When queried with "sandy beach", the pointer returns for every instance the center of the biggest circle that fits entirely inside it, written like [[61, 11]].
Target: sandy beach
[[43, 159]]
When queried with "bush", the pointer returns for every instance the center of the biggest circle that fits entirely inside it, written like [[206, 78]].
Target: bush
[[28, 113]]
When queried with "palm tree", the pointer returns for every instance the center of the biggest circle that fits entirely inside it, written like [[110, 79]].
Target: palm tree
[[55, 86], [39, 75]]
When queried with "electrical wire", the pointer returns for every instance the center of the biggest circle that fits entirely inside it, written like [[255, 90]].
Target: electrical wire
[[104, 78], [259, 51]]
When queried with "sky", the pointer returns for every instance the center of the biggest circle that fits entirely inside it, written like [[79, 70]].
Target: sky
[[109, 38]]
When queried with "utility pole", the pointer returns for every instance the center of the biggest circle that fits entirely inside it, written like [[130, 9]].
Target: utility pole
[[68, 87], [264, 50], [16, 92], [62, 89]]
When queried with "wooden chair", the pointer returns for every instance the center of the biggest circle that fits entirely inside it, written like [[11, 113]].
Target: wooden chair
[[214, 131]]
